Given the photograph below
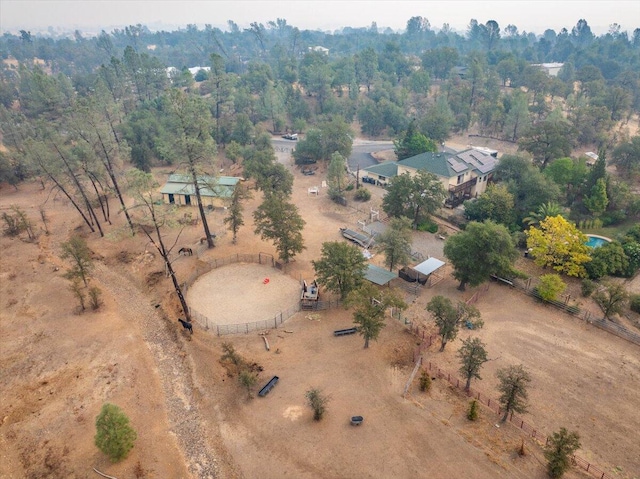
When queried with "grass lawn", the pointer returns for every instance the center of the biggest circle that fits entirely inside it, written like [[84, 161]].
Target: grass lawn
[[614, 231]]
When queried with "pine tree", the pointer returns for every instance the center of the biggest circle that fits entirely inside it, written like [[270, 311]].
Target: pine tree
[[513, 386], [114, 435], [560, 447]]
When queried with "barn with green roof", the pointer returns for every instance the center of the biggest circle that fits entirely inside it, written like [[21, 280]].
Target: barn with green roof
[[214, 190]]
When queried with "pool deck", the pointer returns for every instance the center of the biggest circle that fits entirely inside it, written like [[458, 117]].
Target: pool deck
[[589, 235]]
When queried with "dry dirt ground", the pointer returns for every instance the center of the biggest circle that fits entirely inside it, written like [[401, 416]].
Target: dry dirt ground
[[58, 367]]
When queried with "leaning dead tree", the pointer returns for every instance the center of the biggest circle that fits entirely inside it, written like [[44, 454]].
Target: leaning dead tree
[[142, 187]]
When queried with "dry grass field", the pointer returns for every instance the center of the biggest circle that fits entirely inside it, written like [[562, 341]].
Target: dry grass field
[[193, 420]]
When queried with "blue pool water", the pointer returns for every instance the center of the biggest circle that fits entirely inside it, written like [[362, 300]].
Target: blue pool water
[[595, 242]]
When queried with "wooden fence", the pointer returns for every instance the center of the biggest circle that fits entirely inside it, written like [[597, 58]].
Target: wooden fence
[[529, 287], [517, 421]]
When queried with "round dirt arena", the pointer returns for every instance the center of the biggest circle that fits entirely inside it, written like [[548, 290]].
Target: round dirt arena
[[243, 293]]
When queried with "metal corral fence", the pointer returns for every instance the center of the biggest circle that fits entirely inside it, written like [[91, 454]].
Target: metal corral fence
[[245, 328], [260, 258], [322, 305], [269, 323], [512, 418], [529, 287], [223, 329]]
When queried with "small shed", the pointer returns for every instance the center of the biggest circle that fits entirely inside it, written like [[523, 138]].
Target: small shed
[[422, 272], [179, 190], [379, 276]]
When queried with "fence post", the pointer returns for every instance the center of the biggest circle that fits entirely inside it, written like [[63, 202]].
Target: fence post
[[218, 329], [247, 327]]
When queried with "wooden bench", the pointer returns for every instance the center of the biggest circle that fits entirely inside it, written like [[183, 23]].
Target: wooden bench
[[344, 332], [269, 386]]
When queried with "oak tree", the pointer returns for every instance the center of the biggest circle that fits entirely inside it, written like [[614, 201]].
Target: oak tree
[[472, 356], [341, 267], [278, 219], [370, 305], [448, 317], [479, 251]]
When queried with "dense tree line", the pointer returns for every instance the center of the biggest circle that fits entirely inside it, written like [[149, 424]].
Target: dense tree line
[[90, 106]]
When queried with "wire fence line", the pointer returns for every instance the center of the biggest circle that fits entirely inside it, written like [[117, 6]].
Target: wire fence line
[[529, 287], [517, 421], [243, 328]]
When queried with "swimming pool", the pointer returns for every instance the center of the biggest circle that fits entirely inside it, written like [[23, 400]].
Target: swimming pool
[[595, 241]]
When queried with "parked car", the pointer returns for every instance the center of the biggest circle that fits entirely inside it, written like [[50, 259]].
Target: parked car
[[290, 136]]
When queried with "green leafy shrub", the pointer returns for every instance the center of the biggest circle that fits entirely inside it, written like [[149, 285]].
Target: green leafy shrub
[[318, 402], [429, 226], [551, 285], [94, 297], [114, 435], [613, 217], [473, 412], [350, 187], [634, 303], [247, 380], [362, 194], [588, 287], [425, 381], [519, 239]]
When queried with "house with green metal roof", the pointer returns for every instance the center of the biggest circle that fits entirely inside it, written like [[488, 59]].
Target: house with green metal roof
[[381, 173], [464, 174], [214, 190]]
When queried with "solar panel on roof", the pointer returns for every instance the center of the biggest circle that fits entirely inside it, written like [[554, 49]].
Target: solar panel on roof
[[457, 166]]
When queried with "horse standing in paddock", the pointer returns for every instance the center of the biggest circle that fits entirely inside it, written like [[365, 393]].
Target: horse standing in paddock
[[204, 238], [186, 325], [186, 251]]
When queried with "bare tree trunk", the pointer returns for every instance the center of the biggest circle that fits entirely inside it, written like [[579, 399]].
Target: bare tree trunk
[[92, 213], [108, 164], [94, 182], [159, 245], [69, 197], [205, 224]]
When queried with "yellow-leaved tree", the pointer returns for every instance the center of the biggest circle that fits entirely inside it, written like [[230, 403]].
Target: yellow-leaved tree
[[557, 242]]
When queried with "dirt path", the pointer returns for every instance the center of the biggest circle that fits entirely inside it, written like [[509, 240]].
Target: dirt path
[[174, 371]]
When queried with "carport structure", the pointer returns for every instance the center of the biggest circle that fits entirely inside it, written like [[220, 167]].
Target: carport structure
[[429, 268], [378, 275], [425, 273]]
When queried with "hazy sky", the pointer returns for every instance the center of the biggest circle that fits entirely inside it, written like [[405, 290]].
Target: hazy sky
[[532, 16]]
